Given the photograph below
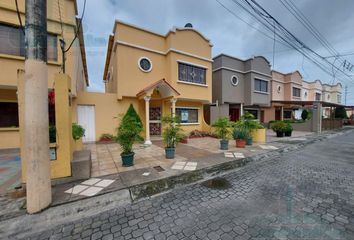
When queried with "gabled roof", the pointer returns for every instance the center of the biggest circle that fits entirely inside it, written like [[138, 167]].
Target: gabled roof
[[156, 84]]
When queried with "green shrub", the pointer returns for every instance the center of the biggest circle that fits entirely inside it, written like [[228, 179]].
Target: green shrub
[[222, 127], [129, 130], [52, 134], [240, 133], [288, 128], [304, 114], [340, 112], [77, 131], [279, 126], [172, 133]]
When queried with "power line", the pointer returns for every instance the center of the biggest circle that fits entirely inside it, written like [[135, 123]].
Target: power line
[[19, 17], [267, 20], [244, 21], [78, 29]]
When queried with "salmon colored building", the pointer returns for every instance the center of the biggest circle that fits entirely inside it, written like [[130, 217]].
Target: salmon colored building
[[291, 94], [159, 74], [61, 24]]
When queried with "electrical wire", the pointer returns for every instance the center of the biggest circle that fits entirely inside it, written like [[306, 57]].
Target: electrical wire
[[19, 18], [287, 36], [78, 29]]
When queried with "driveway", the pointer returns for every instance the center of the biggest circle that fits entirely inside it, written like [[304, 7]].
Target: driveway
[[301, 195]]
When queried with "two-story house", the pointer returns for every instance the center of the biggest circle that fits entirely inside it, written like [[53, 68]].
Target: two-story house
[[290, 94], [159, 74], [239, 86], [61, 24]]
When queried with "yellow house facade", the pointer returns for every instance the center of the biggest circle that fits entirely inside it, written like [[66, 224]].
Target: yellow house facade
[[158, 74], [61, 24]]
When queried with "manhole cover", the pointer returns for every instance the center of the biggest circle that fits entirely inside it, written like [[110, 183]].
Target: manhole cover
[[217, 183], [159, 168]]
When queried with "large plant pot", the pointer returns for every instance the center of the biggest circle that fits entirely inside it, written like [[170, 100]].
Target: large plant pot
[[288, 134], [77, 145], [170, 153], [127, 159], [240, 143], [249, 141], [224, 144], [280, 134], [259, 135]]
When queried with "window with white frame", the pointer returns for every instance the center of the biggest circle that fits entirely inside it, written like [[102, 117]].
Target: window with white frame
[[191, 74], [339, 98], [296, 92], [261, 85], [187, 115]]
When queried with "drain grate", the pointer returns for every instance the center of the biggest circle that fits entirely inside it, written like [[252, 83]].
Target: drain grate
[[159, 168], [217, 183]]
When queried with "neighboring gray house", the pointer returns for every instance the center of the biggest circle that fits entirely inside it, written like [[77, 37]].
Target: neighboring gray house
[[239, 86]]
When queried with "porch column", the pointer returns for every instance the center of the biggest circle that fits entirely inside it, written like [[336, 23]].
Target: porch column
[[147, 120], [241, 109], [173, 101], [282, 113]]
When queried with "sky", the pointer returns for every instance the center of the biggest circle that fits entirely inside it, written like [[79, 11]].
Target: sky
[[229, 35]]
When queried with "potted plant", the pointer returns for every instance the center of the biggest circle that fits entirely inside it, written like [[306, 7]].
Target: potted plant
[[128, 132], [279, 128], [77, 133], [241, 135], [288, 130], [172, 135], [106, 138], [222, 129]]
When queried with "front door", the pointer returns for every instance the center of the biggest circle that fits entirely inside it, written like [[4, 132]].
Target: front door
[[86, 118], [155, 121], [234, 114]]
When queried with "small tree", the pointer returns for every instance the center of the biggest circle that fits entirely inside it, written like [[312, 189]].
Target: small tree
[[172, 133], [340, 112], [222, 127], [129, 130], [304, 114]]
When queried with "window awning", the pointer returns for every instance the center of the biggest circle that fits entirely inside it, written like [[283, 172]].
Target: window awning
[[309, 103]]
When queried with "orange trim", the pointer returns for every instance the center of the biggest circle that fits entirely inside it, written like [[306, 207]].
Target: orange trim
[[154, 85]]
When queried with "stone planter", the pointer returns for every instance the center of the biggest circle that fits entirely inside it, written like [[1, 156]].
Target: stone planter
[[127, 159], [288, 134], [280, 134], [170, 153], [259, 135], [78, 145], [224, 144]]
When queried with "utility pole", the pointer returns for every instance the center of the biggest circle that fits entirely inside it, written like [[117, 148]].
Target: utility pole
[[345, 94], [36, 137]]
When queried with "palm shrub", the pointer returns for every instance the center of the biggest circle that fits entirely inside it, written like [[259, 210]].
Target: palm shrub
[[129, 131], [222, 127], [172, 133]]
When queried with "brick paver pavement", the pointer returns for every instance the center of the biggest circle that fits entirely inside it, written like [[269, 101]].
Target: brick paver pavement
[[301, 195]]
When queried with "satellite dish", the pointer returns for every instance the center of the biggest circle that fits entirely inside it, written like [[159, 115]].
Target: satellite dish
[[188, 25]]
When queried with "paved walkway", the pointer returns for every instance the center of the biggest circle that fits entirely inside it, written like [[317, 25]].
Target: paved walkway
[[300, 195]]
